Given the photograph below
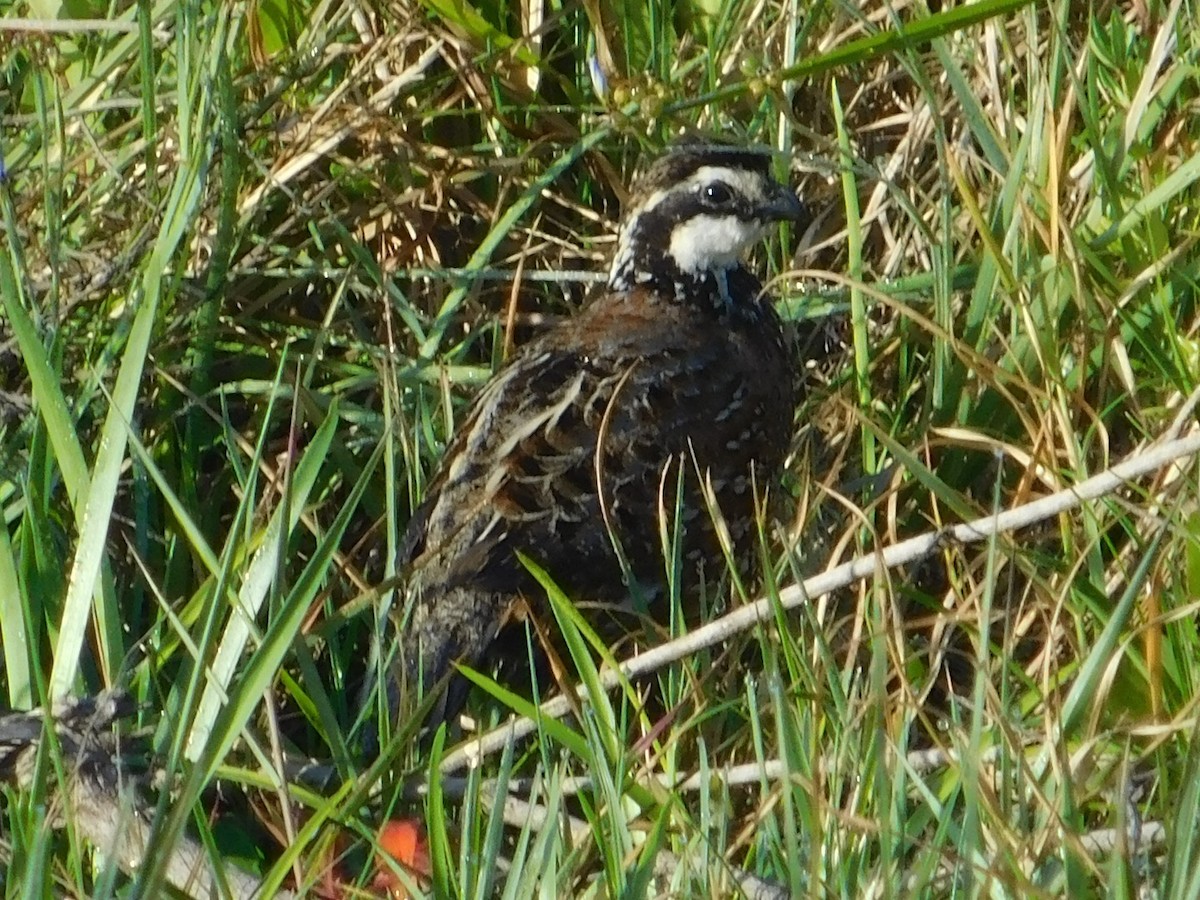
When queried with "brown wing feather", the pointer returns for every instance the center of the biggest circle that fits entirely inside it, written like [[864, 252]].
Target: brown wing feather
[[521, 473]]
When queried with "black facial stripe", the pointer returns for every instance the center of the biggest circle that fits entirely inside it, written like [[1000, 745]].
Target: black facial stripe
[[739, 206], [654, 226]]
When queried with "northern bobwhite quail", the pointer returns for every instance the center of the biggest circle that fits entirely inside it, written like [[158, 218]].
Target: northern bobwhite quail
[[577, 443]]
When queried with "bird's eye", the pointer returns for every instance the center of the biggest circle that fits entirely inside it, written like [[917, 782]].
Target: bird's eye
[[716, 193]]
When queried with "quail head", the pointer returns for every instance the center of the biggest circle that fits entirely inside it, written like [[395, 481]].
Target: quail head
[[608, 431]]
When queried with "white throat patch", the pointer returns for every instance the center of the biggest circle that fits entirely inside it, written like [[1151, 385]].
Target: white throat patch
[[711, 242]]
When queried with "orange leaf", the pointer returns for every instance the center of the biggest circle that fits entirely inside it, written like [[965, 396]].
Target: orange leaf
[[403, 841]]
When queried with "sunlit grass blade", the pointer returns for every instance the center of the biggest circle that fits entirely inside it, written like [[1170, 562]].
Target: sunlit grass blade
[[104, 482], [259, 578], [551, 728]]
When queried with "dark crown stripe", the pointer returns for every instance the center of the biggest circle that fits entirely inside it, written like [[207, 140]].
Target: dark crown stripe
[[684, 159]]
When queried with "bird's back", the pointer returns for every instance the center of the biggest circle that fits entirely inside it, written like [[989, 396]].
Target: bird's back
[[651, 387]]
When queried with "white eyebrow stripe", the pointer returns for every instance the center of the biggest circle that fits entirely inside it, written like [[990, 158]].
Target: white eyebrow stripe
[[749, 184], [654, 199]]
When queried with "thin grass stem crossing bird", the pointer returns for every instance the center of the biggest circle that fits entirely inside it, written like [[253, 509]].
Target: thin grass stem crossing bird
[[673, 385]]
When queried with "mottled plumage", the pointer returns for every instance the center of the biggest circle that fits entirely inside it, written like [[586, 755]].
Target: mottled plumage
[[578, 440]]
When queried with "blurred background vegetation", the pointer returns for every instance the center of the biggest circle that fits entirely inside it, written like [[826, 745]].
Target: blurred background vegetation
[[258, 256]]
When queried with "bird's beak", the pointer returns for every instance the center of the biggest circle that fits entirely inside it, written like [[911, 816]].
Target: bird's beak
[[784, 206]]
